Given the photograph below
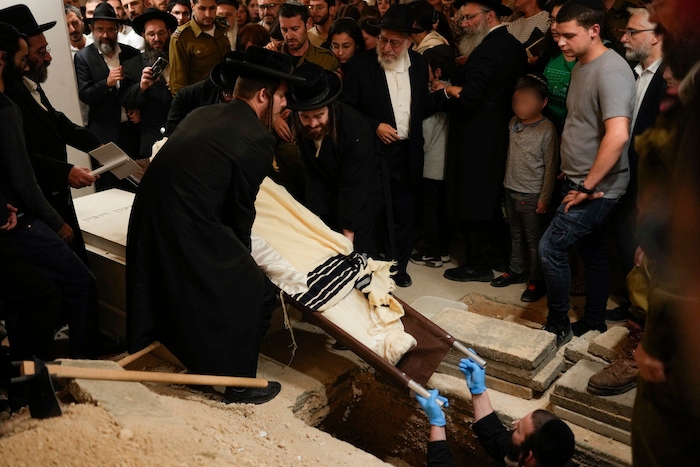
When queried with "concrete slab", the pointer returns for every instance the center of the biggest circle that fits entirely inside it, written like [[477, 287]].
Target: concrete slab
[[496, 384], [497, 340], [131, 405], [609, 344], [538, 380], [577, 349], [595, 450], [429, 306], [596, 426], [611, 419], [573, 386]]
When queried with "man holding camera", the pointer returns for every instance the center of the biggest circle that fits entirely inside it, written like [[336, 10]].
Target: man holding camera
[[147, 77]]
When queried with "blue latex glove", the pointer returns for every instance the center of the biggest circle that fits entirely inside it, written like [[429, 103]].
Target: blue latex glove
[[431, 408], [476, 376]]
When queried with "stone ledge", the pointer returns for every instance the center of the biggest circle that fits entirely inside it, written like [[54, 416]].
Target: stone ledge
[[609, 344]]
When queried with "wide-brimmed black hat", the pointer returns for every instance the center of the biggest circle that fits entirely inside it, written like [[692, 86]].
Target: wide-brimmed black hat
[[263, 63], [495, 5], [7, 31], [320, 89], [397, 18], [21, 17], [139, 24], [225, 74], [106, 12]]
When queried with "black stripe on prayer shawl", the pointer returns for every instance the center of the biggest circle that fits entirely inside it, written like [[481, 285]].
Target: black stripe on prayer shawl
[[329, 278]]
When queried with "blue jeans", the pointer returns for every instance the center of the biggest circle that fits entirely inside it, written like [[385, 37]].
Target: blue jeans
[[581, 226], [59, 263]]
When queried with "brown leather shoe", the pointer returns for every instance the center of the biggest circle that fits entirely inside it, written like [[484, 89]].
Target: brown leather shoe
[[621, 375]]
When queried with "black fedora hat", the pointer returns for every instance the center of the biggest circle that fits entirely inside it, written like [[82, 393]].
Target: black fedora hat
[[320, 89], [263, 63], [8, 31], [225, 74], [397, 18], [21, 17], [106, 12], [495, 5], [139, 24]]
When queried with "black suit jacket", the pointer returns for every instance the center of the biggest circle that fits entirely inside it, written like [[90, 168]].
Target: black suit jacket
[[189, 98], [105, 105], [154, 103], [366, 89]]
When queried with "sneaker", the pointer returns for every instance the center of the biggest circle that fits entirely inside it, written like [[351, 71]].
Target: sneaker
[[562, 332], [466, 274], [446, 258], [508, 278], [423, 260], [402, 279], [533, 292], [252, 395], [581, 327], [621, 375]]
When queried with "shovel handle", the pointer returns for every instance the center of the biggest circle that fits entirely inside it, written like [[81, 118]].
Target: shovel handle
[[74, 372], [135, 356]]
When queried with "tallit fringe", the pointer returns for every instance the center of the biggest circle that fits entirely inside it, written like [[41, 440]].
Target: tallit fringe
[[288, 327]]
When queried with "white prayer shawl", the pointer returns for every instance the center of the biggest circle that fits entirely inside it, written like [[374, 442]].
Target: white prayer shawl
[[317, 267]]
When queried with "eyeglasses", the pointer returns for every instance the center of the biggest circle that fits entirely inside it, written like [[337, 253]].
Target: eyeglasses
[[43, 53], [103, 31], [316, 7], [632, 32], [471, 17], [269, 6], [394, 42]]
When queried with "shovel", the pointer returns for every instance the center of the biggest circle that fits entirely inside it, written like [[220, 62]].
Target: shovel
[[43, 402]]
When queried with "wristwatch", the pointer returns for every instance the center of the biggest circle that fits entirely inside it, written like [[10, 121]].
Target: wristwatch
[[583, 189]]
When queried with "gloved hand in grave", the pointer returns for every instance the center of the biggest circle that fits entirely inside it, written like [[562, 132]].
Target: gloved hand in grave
[[432, 409], [476, 376]]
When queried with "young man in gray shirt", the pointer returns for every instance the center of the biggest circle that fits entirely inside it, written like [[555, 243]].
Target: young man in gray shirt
[[600, 104]]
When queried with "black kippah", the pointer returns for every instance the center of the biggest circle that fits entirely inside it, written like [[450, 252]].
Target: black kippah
[[554, 443], [592, 4]]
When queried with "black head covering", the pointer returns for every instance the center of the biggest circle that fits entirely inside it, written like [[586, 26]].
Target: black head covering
[[320, 89], [21, 17]]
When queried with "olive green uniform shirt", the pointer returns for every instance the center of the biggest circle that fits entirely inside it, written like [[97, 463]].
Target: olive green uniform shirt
[[322, 57], [193, 53]]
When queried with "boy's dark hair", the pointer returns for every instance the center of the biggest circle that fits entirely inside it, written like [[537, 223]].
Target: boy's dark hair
[[173, 3], [290, 10], [585, 15], [442, 57], [350, 27], [330, 3], [536, 82]]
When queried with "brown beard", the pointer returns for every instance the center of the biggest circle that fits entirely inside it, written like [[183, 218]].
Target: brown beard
[[472, 38], [316, 134]]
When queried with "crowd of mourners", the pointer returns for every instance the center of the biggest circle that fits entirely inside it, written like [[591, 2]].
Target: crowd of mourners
[[548, 141]]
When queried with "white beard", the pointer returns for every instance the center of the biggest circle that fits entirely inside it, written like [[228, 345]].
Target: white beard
[[391, 65]]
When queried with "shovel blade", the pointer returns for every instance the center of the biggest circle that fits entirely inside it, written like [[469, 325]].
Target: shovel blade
[[40, 392]]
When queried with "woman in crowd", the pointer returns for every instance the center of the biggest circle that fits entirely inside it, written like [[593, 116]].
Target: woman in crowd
[[252, 6], [252, 34], [345, 39], [242, 15], [383, 6], [369, 33]]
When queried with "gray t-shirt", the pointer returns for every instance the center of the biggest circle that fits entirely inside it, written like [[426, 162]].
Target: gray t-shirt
[[599, 90]]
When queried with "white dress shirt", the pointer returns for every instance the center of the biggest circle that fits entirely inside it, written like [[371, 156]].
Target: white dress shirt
[[399, 83], [32, 86], [644, 78], [113, 63]]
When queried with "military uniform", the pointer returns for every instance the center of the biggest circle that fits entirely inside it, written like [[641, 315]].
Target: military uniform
[[193, 53], [321, 57]]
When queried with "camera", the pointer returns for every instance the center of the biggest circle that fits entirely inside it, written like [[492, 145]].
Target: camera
[[158, 67]]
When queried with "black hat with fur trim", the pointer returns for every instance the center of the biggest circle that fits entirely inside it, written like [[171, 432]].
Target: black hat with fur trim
[[263, 63], [320, 89], [21, 17], [139, 24]]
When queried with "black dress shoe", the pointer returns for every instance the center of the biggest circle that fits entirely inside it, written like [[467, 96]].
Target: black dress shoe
[[581, 327], [466, 274], [402, 279], [618, 314], [508, 278], [561, 331], [252, 395], [534, 291]]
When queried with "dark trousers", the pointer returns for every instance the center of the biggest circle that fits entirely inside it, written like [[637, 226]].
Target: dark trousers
[[59, 263], [32, 304], [525, 233], [624, 224], [436, 226], [402, 200], [581, 226], [485, 243]]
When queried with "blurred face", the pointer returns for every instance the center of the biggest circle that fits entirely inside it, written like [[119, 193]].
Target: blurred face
[[678, 17], [162, 5], [575, 40], [156, 34], [229, 12], [294, 32], [105, 34], [268, 9], [75, 27], [527, 103], [181, 13], [133, 8], [370, 40], [320, 12], [343, 47], [242, 15], [315, 123], [671, 82], [637, 41], [118, 8], [382, 6], [391, 45], [74, 3], [39, 58], [204, 12], [553, 23]]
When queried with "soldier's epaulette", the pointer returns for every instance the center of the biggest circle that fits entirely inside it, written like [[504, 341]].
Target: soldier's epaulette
[[177, 33]]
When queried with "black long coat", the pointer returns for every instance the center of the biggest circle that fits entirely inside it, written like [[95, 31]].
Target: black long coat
[[477, 143], [191, 282], [154, 104], [46, 133]]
